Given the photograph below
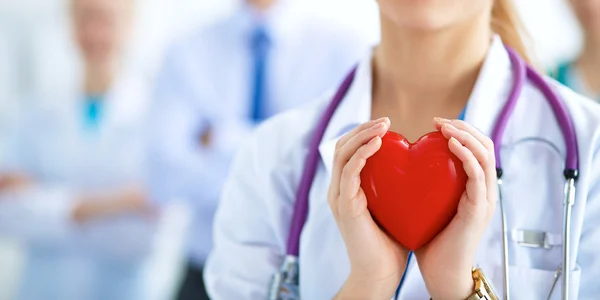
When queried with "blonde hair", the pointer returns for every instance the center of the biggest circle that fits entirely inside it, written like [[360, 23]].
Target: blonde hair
[[507, 23]]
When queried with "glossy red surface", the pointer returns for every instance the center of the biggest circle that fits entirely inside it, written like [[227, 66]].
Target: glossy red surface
[[413, 190]]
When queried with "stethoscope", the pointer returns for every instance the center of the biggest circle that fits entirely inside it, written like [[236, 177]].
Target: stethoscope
[[285, 284]]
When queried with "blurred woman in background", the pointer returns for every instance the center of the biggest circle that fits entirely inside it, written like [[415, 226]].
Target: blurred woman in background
[[583, 73], [72, 192]]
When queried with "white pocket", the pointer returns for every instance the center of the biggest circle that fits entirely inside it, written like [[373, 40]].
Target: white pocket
[[530, 284]]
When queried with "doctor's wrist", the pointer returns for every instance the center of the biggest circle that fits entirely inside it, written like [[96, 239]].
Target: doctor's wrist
[[357, 287], [458, 287]]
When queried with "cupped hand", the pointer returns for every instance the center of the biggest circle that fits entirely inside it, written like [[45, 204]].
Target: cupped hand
[[447, 260], [377, 261]]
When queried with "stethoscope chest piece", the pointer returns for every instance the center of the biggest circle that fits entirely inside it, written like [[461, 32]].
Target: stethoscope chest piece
[[285, 284]]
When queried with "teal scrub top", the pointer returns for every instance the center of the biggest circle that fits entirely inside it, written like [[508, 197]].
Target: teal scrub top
[[566, 74], [93, 111], [562, 73]]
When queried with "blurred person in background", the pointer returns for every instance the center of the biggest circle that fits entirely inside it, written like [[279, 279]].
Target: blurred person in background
[[216, 85], [583, 73], [72, 191]]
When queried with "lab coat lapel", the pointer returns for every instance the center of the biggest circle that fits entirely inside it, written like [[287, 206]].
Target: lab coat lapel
[[354, 110], [125, 103], [491, 90]]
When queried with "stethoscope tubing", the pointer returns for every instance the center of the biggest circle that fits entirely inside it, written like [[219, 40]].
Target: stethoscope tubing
[[521, 72]]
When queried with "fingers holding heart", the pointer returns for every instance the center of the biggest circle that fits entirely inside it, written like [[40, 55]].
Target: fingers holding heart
[[476, 188], [364, 127], [462, 125], [355, 141], [350, 179], [473, 149], [469, 141], [481, 146], [349, 144]]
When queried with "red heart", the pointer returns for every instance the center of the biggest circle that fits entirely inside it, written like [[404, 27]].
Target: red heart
[[413, 190]]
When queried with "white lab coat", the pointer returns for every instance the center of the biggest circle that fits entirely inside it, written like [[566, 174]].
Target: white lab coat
[[254, 216], [100, 259]]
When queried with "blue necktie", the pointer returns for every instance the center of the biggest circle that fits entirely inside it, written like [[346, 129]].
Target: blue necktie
[[259, 47]]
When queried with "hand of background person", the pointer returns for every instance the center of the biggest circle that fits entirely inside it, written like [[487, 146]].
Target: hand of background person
[[126, 201], [206, 138], [14, 181]]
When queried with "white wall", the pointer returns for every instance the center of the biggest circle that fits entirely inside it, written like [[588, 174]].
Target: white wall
[[553, 27]]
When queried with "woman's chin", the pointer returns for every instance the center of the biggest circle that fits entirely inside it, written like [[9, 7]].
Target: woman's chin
[[431, 15], [419, 20]]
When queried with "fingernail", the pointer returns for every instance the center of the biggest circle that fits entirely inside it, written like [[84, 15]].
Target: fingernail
[[450, 128], [377, 126], [374, 140], [385, 120], [454, 141], [442, 120]]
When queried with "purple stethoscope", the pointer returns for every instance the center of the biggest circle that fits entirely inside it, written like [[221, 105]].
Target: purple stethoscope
[[285, 284]]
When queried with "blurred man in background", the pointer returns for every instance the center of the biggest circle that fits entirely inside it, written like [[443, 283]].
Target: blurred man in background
[[72, 191], [583, 73], [218, 84]]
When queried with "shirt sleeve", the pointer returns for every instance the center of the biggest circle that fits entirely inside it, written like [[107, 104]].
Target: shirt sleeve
[[42, 213], [252, 219], [38, 214], [179, 166], [589, 243]]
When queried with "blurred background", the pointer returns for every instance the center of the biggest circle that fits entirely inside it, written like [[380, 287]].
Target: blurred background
[[38, 56]]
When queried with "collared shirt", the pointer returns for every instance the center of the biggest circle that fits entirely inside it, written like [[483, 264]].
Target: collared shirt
[[206, 86]]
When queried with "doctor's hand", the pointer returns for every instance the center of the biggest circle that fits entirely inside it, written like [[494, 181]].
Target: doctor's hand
[[377, 261], [446, 261]]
